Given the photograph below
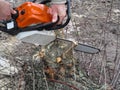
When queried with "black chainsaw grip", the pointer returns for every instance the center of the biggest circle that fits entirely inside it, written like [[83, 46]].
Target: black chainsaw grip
[[45, 1], [32, 0]]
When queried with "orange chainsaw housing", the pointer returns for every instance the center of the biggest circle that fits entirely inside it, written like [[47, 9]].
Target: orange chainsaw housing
[[32, 13]]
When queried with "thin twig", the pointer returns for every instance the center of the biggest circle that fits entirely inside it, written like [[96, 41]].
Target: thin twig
[[45, 78], [64, 83]]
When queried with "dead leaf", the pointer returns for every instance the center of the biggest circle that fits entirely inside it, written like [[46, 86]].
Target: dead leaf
[[58, 59], [62, 71], [50, 71]]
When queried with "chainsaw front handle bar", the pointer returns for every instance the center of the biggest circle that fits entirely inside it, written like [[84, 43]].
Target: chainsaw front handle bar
[[39, 27], [67, 20]]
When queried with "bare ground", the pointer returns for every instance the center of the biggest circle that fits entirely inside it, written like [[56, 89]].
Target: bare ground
[[93, 22]]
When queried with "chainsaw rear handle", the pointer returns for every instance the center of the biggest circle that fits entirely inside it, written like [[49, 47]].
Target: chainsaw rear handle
[[39, 27]]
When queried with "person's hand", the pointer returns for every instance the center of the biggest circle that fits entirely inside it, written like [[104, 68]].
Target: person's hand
[[58, 10], [5, 10]]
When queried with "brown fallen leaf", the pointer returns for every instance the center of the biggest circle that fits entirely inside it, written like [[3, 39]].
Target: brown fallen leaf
[[58, 59], [62, 71], [50, 71]]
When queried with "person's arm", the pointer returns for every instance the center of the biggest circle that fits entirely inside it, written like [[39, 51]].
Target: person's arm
[[5, 10], [58, 9]]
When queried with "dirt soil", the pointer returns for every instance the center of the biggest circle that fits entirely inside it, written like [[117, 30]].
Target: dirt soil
[[57, 66]]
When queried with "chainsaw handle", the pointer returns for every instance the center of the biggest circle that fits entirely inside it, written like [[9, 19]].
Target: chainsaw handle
[[56, 27], [14, 16], [32, 0], [44, 1]]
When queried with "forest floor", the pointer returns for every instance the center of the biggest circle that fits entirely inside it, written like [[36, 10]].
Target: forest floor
[[57, 66]]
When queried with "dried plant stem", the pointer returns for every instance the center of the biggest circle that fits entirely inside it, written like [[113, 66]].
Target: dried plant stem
[[45, 80], [115, 78], [64, 83], [116, 75]]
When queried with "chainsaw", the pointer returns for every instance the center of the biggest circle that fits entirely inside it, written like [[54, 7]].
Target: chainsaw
[[33, 24], [32, 16]]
